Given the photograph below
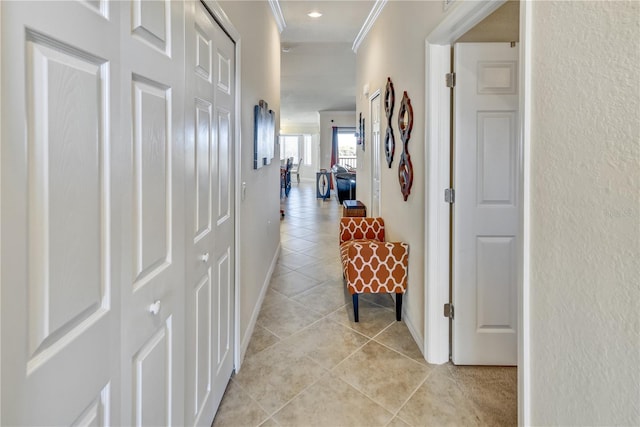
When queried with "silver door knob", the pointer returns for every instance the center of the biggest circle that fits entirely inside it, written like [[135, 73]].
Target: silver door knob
[[154, 308], [204, 257]]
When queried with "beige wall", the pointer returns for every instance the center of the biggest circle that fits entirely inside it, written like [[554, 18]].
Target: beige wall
[[260, 217], [395, 47], [585, 214], [501, 26]]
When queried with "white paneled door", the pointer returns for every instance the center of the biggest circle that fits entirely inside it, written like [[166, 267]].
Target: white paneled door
[[117, 214], [60, 323], [151, 165], [486, 171], [210, 216]]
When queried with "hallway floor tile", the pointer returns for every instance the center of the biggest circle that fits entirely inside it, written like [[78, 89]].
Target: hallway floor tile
[[309, 364]]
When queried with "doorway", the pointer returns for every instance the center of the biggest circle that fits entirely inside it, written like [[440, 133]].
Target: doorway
[[484, 222], [461, 17]]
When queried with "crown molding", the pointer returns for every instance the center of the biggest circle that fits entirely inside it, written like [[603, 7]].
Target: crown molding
[[368, 23], [277, 14]]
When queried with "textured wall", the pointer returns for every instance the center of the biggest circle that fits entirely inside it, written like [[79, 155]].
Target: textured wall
[[395, 47], [260, 218], [585, 214]]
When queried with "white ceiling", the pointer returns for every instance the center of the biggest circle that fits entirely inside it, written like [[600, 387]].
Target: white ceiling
[[318, 65]]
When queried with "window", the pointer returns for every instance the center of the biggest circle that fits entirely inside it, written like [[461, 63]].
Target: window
[[347, 148], [289, 147], [297, 146], [307, 154]]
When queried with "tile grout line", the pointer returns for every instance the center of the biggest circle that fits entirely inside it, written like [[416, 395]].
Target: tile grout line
[[253, 399]]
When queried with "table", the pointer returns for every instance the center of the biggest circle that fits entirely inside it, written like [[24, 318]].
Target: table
[[353, 208]]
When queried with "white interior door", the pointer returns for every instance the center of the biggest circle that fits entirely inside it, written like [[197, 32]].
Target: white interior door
[[210, 228], [486, 170], [375, 155], [60, 336], [152, 75]]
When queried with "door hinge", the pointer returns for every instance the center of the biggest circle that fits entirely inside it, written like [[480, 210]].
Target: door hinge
[[451, 79], [449, 195], [448, 311]]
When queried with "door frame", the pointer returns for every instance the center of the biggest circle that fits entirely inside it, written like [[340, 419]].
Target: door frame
[[460, 17], [375, 94], [1, 114], [225, 23]]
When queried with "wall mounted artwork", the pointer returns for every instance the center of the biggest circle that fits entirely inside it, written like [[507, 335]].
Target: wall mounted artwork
[[360, 132], [264, 137], [405, 124], [389, 139]]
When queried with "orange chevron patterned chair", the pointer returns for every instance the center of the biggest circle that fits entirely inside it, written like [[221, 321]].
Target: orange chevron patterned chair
[[369, 264]]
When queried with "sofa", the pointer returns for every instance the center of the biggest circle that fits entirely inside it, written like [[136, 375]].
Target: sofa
[[344, 182], [369, 264]]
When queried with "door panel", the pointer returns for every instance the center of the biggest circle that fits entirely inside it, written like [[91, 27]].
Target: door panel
[[210, 189], [152, 379], [496, 158], [203, 344], [152, 172], [223, 309], [485, 222], [59, 327], [152, 74]]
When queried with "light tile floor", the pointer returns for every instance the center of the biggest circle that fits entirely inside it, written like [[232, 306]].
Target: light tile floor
[[309, 364]]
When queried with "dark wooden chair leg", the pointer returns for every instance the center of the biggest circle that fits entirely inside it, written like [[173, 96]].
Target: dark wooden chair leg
[[398, 307], [355, 306]]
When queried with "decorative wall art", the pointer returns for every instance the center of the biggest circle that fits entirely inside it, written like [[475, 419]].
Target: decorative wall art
[[389, 139], [264, 135], [360, 132], [405, 124]]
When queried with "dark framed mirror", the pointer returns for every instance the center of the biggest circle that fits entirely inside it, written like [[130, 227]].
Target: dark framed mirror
[[389, 138], [405, 125]]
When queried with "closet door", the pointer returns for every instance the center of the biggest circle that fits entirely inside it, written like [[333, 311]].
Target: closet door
[[59, 217], [210, 226], [152, 170]]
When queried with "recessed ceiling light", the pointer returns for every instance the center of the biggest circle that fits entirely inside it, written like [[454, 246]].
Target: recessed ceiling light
[[314, 14]]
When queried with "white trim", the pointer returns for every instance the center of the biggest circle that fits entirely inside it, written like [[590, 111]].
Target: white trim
[[1, 145], [368, 23], [524, 337], [371, 98], [411, 327], [438, 98], [256, 310], [461, 17], [277, 14], [227, 26], [223, 20]]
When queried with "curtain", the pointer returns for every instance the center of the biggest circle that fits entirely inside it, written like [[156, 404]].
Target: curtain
[[334, 147], [334, 151]]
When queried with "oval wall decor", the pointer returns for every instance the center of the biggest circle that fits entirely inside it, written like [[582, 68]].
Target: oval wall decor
[[389, 139], [405, 124]]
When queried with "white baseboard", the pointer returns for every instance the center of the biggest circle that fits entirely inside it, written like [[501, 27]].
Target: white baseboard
[[256, 309], [419, 339]]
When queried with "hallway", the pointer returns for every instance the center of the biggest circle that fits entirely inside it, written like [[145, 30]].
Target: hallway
[[309, 364]]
